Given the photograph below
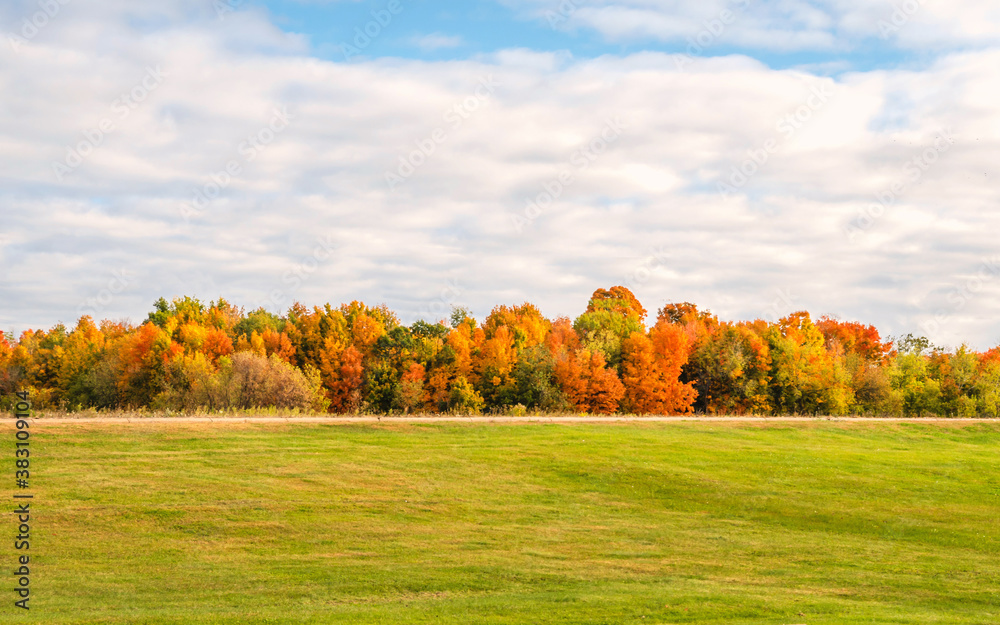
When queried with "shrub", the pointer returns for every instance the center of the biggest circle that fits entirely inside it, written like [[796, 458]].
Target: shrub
[[517, 411], [259, 382], [245, 380], [464, 398]]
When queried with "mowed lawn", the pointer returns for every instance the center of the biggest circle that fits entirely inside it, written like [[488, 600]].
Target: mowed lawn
[[449, 523]]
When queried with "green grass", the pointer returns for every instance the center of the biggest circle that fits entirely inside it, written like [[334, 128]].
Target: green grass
[[576, 524]]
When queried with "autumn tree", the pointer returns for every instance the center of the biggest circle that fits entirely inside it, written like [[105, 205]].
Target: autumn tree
[[855, 338], [144, 357], [82, 350], [318, 336], [525, 323], [730, 368], [244, 381], [865, 357], [493, 365], [685, 313], [805, 377], [9, 376], [618, 300], [343, 374], [258, 321], [428, 341], [535, 383], [986, 383], [955, 373], [217, 344], [410, 393], [588, 383], [463, 398], [562, 338], [612, 316], [651, 369]]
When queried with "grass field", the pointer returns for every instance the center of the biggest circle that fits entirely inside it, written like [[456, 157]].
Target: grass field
[[448, 523]]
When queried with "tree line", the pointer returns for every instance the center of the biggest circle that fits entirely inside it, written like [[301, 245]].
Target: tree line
[[190, 355]]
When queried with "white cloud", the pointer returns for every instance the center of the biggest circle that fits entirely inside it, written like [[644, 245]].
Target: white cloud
[[644, 211], [789, 25]]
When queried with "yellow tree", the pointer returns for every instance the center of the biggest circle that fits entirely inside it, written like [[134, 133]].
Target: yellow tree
[[38, 359], [525, 322], [465, 340], [805, 376], [81, 350], [493, 364]]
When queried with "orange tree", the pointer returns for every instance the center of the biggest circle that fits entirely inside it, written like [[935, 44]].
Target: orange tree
[[651, 369]]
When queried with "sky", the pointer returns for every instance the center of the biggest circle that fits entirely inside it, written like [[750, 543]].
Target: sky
[[755, 158]]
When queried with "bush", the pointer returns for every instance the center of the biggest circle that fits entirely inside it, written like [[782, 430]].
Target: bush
[[259, 382], [517, 411], [464, 398], [243, 381], [873, 390]]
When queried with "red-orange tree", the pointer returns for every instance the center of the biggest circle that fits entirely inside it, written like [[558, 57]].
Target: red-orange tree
[[589, 385], [651, 370]]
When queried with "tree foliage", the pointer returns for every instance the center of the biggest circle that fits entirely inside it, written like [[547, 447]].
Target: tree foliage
[[353, 358]]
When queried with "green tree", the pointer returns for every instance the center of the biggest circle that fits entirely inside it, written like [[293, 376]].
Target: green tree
[[612, 316]]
